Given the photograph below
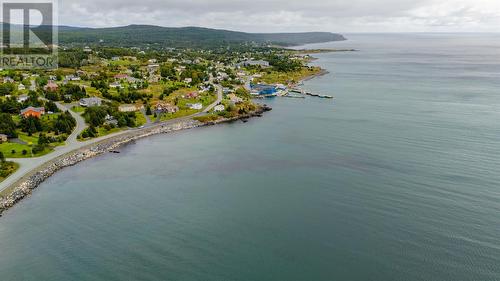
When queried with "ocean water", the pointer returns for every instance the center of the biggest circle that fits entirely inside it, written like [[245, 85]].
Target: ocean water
[[397, 179]]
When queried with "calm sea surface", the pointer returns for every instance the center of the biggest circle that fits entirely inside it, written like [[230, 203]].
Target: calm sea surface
[[398, 179]]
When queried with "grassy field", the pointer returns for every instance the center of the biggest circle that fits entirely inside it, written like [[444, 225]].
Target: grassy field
[[293, 77], [24, 150], [178, 114], [103, 132], [78, 109], [140, 119], [8, 147], [7, 169]]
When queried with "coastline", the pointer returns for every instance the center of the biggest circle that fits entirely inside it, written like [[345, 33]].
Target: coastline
[[25, 186], [322, 72]]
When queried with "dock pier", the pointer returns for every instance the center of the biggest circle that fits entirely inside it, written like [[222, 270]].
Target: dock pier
[[303, 92]]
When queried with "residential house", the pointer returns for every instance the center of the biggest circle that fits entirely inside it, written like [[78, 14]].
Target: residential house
[[22, 98], [88, 102], [121, 76], [21, 87], [33, 111], [3, 138], [219, 108], [87, 49], [51, 86], [197, 106], [162, 107], [116, 84], [261, 63], [32, 85], [234, 98], [133, 80], [153, 68], [128, 108], [80, 73], [191, 95], [110, 120], [8, 80], [72, 77]]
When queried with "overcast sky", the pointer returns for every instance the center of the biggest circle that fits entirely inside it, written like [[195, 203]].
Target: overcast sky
[[290, 15]]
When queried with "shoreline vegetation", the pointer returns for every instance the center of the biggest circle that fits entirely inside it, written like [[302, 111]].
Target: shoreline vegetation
[[7, 168], [10, 196]]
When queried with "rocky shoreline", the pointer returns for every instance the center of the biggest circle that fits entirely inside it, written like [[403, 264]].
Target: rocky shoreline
[[25, 186]]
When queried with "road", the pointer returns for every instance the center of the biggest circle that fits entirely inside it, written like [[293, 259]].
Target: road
[[27, 165]]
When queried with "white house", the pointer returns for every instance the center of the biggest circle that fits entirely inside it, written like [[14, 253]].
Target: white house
[[87, 102], [116, 85], [128, 108], [22, 98], [219, 108], [197, 106]]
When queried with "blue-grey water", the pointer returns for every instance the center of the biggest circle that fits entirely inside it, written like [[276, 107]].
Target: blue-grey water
[[398, 179]]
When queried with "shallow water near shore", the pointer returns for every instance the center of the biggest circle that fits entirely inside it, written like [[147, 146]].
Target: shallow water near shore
[[397, 179]]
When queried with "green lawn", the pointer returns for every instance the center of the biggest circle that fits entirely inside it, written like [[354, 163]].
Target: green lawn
[[7, 169], [78, 109], [275, 77], [103, 132], [18, 149], [140, 119], [178, 114]]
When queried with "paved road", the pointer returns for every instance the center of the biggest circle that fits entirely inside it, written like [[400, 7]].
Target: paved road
[[80, 124], [27, 165]]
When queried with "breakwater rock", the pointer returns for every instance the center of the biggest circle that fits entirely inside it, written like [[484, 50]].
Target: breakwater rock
[[31, 181]]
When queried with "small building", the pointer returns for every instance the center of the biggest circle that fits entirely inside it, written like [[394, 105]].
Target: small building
[[87, 49], [72, 77], [21, 87], [51, 86], [188, 80], [22, 98], [80, 73], [33, 112], [261, 63], [116, 84], [162, 107], [32, 85], [192, 95], [128, 108], [153, 67], [263, 89], [88, 102], [197, 106], [3, 138], [121, 76], [133, 80], [219, 108], [8, 80], [234, 98]]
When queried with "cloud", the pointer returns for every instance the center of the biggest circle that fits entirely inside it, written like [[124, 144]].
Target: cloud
[[289, 15]]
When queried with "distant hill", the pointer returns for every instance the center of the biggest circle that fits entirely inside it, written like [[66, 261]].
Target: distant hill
[[137, 35]]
